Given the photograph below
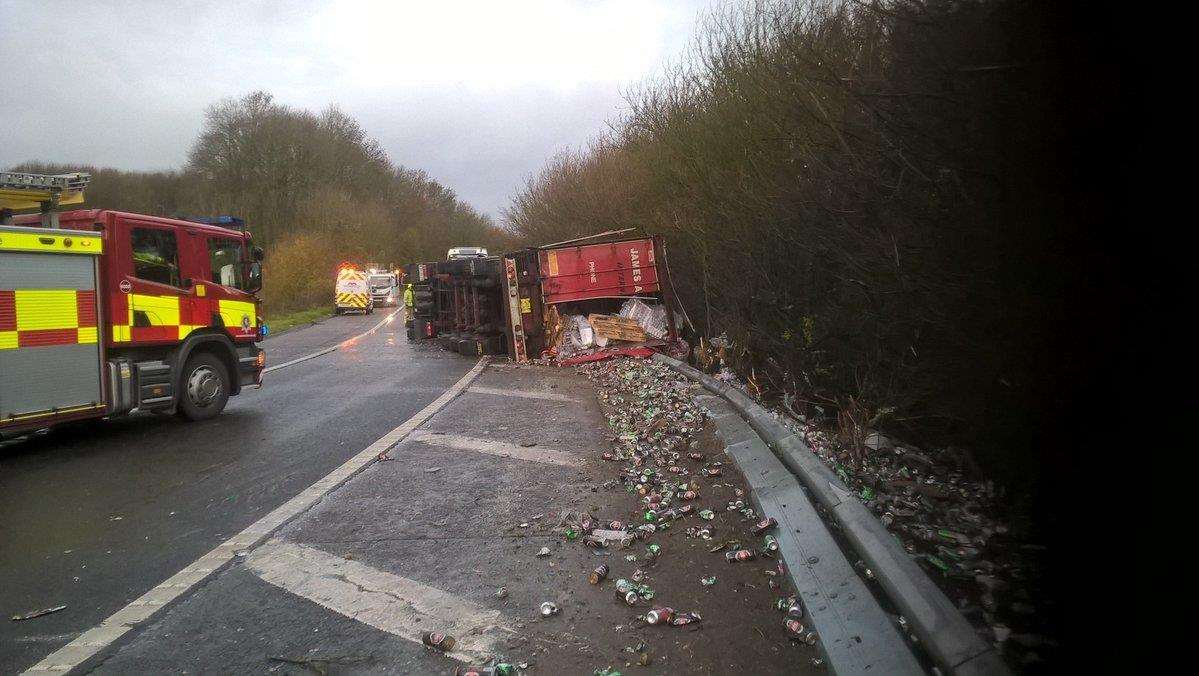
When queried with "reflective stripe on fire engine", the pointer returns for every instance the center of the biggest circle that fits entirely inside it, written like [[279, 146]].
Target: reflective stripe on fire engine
[[46, 309], [42, 317], [234, 311], [159, 310], [47, 241], [163, 311]]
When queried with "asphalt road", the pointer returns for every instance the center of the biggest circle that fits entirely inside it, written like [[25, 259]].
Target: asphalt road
[[93, 515]]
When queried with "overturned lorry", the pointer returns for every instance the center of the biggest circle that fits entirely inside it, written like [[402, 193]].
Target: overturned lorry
[[564, 301]]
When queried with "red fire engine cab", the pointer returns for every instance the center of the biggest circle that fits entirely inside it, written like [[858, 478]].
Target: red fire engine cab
[[104, 313]]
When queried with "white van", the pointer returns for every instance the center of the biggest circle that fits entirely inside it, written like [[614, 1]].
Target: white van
[[384, 288]]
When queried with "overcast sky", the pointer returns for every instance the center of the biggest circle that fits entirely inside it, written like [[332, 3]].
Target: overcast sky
[[479, 94]]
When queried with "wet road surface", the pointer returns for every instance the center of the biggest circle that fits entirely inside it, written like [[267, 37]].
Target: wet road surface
[[93, 515]]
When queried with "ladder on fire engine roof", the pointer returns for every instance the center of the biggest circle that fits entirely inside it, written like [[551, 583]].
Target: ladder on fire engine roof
[[44, 192]]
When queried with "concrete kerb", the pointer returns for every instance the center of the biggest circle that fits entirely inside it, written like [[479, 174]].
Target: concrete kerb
[[944, 631]]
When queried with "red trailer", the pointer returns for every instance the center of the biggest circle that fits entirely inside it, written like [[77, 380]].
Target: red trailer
[[542, 282]]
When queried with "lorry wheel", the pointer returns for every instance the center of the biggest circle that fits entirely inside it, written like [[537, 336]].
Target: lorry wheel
[[204, 387]]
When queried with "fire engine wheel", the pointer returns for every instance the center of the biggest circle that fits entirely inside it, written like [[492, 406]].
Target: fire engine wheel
[[205, 387]]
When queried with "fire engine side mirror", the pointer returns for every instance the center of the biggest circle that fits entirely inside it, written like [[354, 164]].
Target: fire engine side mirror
[[257, 254], [254, 283]]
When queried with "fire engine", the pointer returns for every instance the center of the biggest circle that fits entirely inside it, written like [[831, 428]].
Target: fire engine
[[104, 313]]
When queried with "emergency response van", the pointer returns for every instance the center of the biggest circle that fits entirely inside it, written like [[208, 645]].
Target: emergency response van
[[351, 293]]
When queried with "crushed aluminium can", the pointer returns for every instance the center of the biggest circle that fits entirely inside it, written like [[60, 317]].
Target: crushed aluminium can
[[599, 574], [437, 641], [629, 597], [685, 618], [764, 525], [739, 555], [659, 616]]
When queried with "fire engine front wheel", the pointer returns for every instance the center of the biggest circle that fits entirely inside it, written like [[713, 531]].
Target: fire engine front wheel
[[205, 387]]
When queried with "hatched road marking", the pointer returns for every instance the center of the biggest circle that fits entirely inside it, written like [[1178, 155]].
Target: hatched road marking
[[121, 622], [528, 394], [390, 603], [500, 448]]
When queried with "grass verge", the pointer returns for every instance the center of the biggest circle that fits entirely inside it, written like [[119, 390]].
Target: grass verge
[[283, 322]]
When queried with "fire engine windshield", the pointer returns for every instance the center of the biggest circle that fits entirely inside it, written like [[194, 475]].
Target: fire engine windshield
[[226, 258], [380, 281]]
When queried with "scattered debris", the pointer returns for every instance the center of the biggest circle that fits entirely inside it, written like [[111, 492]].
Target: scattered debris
[[318, 665], [37, 613], [739, 555], [656, 454], [383, 457], [549, 608], [443, 642], [544, 551], [765, 525]]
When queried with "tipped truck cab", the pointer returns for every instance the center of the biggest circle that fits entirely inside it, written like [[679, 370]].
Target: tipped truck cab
[[113, 312]]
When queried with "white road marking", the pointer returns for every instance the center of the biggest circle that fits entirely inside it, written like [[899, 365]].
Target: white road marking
[[390, 603], [527, 394], [336, 347], [120, 622], [500, 448]]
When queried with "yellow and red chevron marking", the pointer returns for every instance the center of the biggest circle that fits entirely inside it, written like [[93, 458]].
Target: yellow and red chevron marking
[[351, 300], [40, 317]]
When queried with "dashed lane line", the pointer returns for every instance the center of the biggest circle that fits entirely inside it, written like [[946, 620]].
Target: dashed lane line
[[336, 347], [121, 622]]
